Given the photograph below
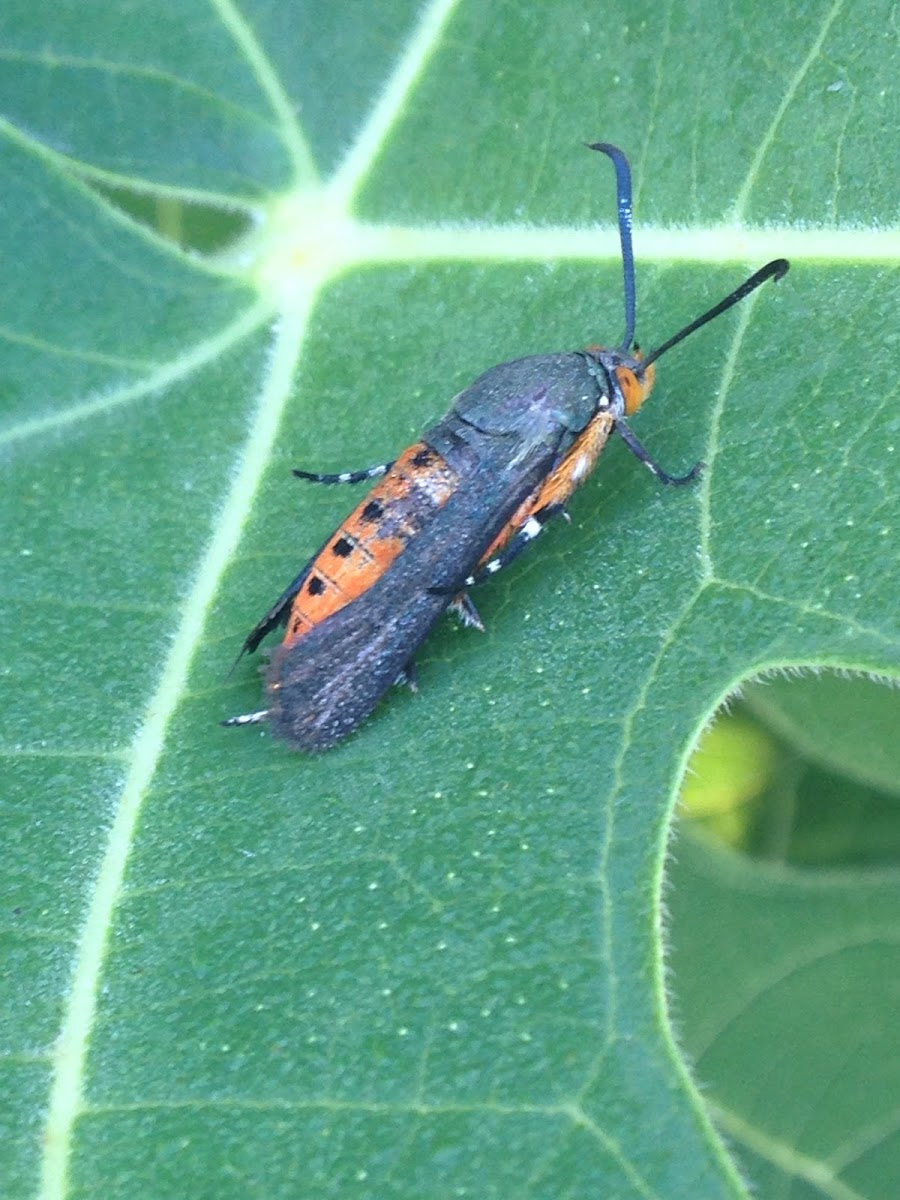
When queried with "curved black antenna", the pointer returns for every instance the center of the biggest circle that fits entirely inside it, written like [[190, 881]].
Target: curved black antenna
[[773, 270], [623, 202]]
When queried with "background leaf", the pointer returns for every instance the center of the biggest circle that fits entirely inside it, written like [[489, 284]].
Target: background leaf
[[845, 724], [809, 778], [793, 1030], [430, 962]]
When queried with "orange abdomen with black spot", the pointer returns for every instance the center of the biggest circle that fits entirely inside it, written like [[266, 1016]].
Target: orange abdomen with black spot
[[367, 543]]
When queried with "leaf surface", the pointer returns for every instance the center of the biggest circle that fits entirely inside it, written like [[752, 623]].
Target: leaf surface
[[428, 963]]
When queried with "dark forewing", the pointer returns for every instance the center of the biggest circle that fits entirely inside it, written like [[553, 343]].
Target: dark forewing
[[325, 685]]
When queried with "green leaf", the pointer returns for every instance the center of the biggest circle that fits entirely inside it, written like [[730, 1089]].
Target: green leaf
[[843, 724], [794, 1028], [430, 962]]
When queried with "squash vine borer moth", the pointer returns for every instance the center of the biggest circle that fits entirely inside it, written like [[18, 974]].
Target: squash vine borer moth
[[451, 511]]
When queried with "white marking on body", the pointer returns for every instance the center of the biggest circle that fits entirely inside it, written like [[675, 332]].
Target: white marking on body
[[532, 528], [493, 566], [435, 486], [581, 468]]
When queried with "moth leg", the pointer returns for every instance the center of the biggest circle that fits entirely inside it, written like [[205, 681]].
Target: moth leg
[[467, 612], [345, 476], [517, 544], [254, 718], [410, 676], [639, 452]]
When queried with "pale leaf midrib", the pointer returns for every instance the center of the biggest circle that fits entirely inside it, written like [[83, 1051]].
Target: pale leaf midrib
[[71, 1049]]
